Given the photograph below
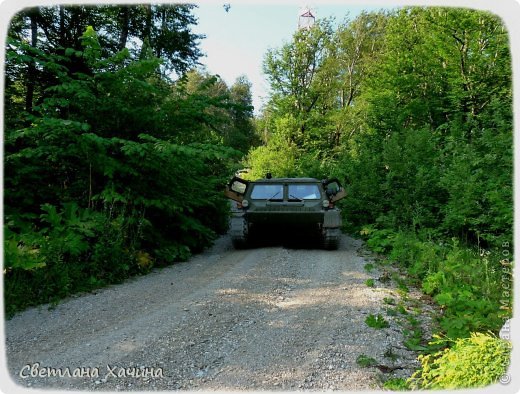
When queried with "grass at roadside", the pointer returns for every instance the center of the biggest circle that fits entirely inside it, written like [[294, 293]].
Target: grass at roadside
[[466, 284]]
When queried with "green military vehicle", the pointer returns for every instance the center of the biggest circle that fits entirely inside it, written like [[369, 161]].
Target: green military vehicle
[[286, 205]]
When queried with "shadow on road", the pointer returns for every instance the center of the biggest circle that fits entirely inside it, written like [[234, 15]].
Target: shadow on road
[[286, 240]]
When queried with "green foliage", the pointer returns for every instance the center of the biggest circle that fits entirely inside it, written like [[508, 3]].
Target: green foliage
[[370, 282], [411, 328], [380, 241], [396, 384], [482, 208], [462, 280], [414, 340], [401, 309], [279, 161], [75, 249], [114, 168], [413, 109], [476, 361], [391, 312], [377, 322], [365, 361], [430, 149]]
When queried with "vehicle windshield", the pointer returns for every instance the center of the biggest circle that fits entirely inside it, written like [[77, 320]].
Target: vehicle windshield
[[304, 192], [267, 192]]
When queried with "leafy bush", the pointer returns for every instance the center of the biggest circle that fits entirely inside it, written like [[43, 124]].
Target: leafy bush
[[377, 322], [74, 250], [103, 179], [476, 361], [380, 241], [460, 279], [396, 384]]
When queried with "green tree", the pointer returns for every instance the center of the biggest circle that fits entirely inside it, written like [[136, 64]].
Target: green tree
[[113, 170], [315, 82], [294, 74]]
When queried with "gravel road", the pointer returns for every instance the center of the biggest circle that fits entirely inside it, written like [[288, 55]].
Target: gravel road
[[266, 318]]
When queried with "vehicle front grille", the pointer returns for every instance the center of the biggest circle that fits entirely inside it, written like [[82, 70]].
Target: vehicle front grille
[[284, 208]]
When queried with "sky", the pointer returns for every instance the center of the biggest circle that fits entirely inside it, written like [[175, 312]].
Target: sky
[[236, 41]]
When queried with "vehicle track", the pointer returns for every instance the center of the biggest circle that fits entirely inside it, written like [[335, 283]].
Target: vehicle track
[[266, 318]]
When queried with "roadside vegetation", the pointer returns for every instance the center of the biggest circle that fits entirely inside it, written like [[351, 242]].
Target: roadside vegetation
[[116, 150], [412, 109]]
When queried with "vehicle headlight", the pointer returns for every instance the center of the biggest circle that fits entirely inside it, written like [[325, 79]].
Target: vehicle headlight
[[325, 203], [245, 203]]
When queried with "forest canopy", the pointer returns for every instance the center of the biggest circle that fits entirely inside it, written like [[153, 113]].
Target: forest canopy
[[117, 146], [412, 109]]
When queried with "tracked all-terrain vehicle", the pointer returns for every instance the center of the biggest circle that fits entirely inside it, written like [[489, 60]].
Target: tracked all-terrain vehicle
[[286, 206]]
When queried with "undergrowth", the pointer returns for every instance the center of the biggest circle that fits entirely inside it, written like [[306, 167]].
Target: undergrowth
[[476, 361], [471, 285]]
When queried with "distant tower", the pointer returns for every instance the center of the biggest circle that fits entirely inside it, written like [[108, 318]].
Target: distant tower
[[306, 19]]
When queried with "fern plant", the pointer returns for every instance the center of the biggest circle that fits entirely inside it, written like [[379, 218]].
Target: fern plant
[[377, 322], [476, 361]]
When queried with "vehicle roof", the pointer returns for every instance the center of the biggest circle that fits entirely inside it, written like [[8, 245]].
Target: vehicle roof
[[287, 180]]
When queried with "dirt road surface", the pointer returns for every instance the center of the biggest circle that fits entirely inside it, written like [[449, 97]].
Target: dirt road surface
[[265, 318]]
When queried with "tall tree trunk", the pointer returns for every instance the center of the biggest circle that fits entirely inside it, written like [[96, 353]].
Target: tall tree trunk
[[62, 26], [164, 27], [31, 70], [147, 30], [124, 17]]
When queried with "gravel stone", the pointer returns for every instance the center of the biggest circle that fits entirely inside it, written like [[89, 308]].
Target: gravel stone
[[267, 318]]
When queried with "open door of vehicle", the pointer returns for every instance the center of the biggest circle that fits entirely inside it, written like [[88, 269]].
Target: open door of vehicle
[[236, 189], [334, 190]]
